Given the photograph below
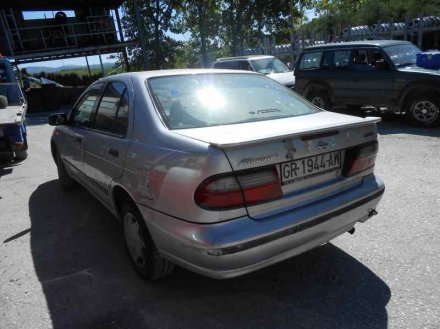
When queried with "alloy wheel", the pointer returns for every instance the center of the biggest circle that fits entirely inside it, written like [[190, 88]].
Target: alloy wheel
[[318, 101], [425, 111]]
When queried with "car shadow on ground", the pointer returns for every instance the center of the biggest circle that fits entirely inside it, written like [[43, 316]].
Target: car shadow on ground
[[5, 170], [7, 167], [392, 124], [399, 126], [80, 260]]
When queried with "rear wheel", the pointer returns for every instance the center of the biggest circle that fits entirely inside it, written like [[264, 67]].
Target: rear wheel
[[21, 155], [140, 246], [3, 102], [423, 110], [66, 182], [320, 99]]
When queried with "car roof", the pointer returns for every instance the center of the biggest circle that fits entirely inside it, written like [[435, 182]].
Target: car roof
[[225, 59], [358, 44], [143, 75]]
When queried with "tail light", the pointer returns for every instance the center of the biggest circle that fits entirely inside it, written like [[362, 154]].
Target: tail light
[[234, 191], [360, 158]]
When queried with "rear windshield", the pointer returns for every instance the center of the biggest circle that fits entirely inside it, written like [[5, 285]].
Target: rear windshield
[[204, 100], [269, 65]]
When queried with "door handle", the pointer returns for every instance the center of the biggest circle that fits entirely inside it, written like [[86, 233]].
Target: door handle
[[78, 139], [113, 152]]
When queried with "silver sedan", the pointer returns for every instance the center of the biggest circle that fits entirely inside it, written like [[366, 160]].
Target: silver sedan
[[221, 172]]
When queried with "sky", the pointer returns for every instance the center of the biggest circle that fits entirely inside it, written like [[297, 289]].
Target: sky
[[310, 14], [92, 59]]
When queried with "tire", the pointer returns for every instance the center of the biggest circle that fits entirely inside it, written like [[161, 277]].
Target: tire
[[320, 99], [66, 182], [143, 254], [21, 155], [3, 102], [423, 110]]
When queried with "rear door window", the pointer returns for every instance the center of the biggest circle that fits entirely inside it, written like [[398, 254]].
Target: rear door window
[[311, 61], [83, 112], [112, 113], [341, 59], [244, 65]]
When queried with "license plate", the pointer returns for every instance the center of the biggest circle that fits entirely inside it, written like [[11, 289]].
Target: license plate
[[307, 168]]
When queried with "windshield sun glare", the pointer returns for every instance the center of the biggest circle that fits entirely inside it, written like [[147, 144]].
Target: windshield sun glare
[[205, 100], [211, 98]]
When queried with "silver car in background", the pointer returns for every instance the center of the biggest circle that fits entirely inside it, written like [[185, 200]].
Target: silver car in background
[[268, 65], [220, 172]]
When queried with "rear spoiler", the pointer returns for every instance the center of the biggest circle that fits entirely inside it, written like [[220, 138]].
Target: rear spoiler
[[364, 122]]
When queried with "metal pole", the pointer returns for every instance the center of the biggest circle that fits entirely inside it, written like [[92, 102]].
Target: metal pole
[[88, 67], [406, 29], [100, 62], [141, 34], [292, 48], [391, 28], [121, 35], [7, 33], [292, 35], [420, 32]]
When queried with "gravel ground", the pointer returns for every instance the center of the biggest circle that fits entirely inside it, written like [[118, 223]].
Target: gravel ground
[[63, 265]]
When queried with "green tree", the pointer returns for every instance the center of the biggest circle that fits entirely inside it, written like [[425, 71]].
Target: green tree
[[158, 17], [246, 21], [202, 19], [366, 12]]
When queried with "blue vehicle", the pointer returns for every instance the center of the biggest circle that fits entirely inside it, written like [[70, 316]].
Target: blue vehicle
[[13, 106]]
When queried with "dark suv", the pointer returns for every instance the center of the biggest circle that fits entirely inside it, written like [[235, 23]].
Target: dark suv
[[380, 73]]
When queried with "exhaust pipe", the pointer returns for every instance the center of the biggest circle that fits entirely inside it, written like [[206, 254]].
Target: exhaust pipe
[[371, 213]]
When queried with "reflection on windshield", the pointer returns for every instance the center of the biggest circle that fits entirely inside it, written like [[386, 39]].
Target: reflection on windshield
[[403, 55], [211, 98], [269, 65], [204, 100]]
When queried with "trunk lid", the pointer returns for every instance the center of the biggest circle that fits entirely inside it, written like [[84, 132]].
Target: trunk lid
[[292, 144]]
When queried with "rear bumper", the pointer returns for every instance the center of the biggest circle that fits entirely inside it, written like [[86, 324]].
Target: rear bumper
[[243, 245]]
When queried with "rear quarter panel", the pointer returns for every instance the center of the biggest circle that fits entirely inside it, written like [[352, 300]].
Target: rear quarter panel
[[163, 169]]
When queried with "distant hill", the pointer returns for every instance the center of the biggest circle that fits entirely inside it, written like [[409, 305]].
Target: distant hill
[[82, 71], [48, 69]]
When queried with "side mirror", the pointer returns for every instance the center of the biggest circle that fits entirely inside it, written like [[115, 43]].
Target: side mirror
[[58, 119]]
